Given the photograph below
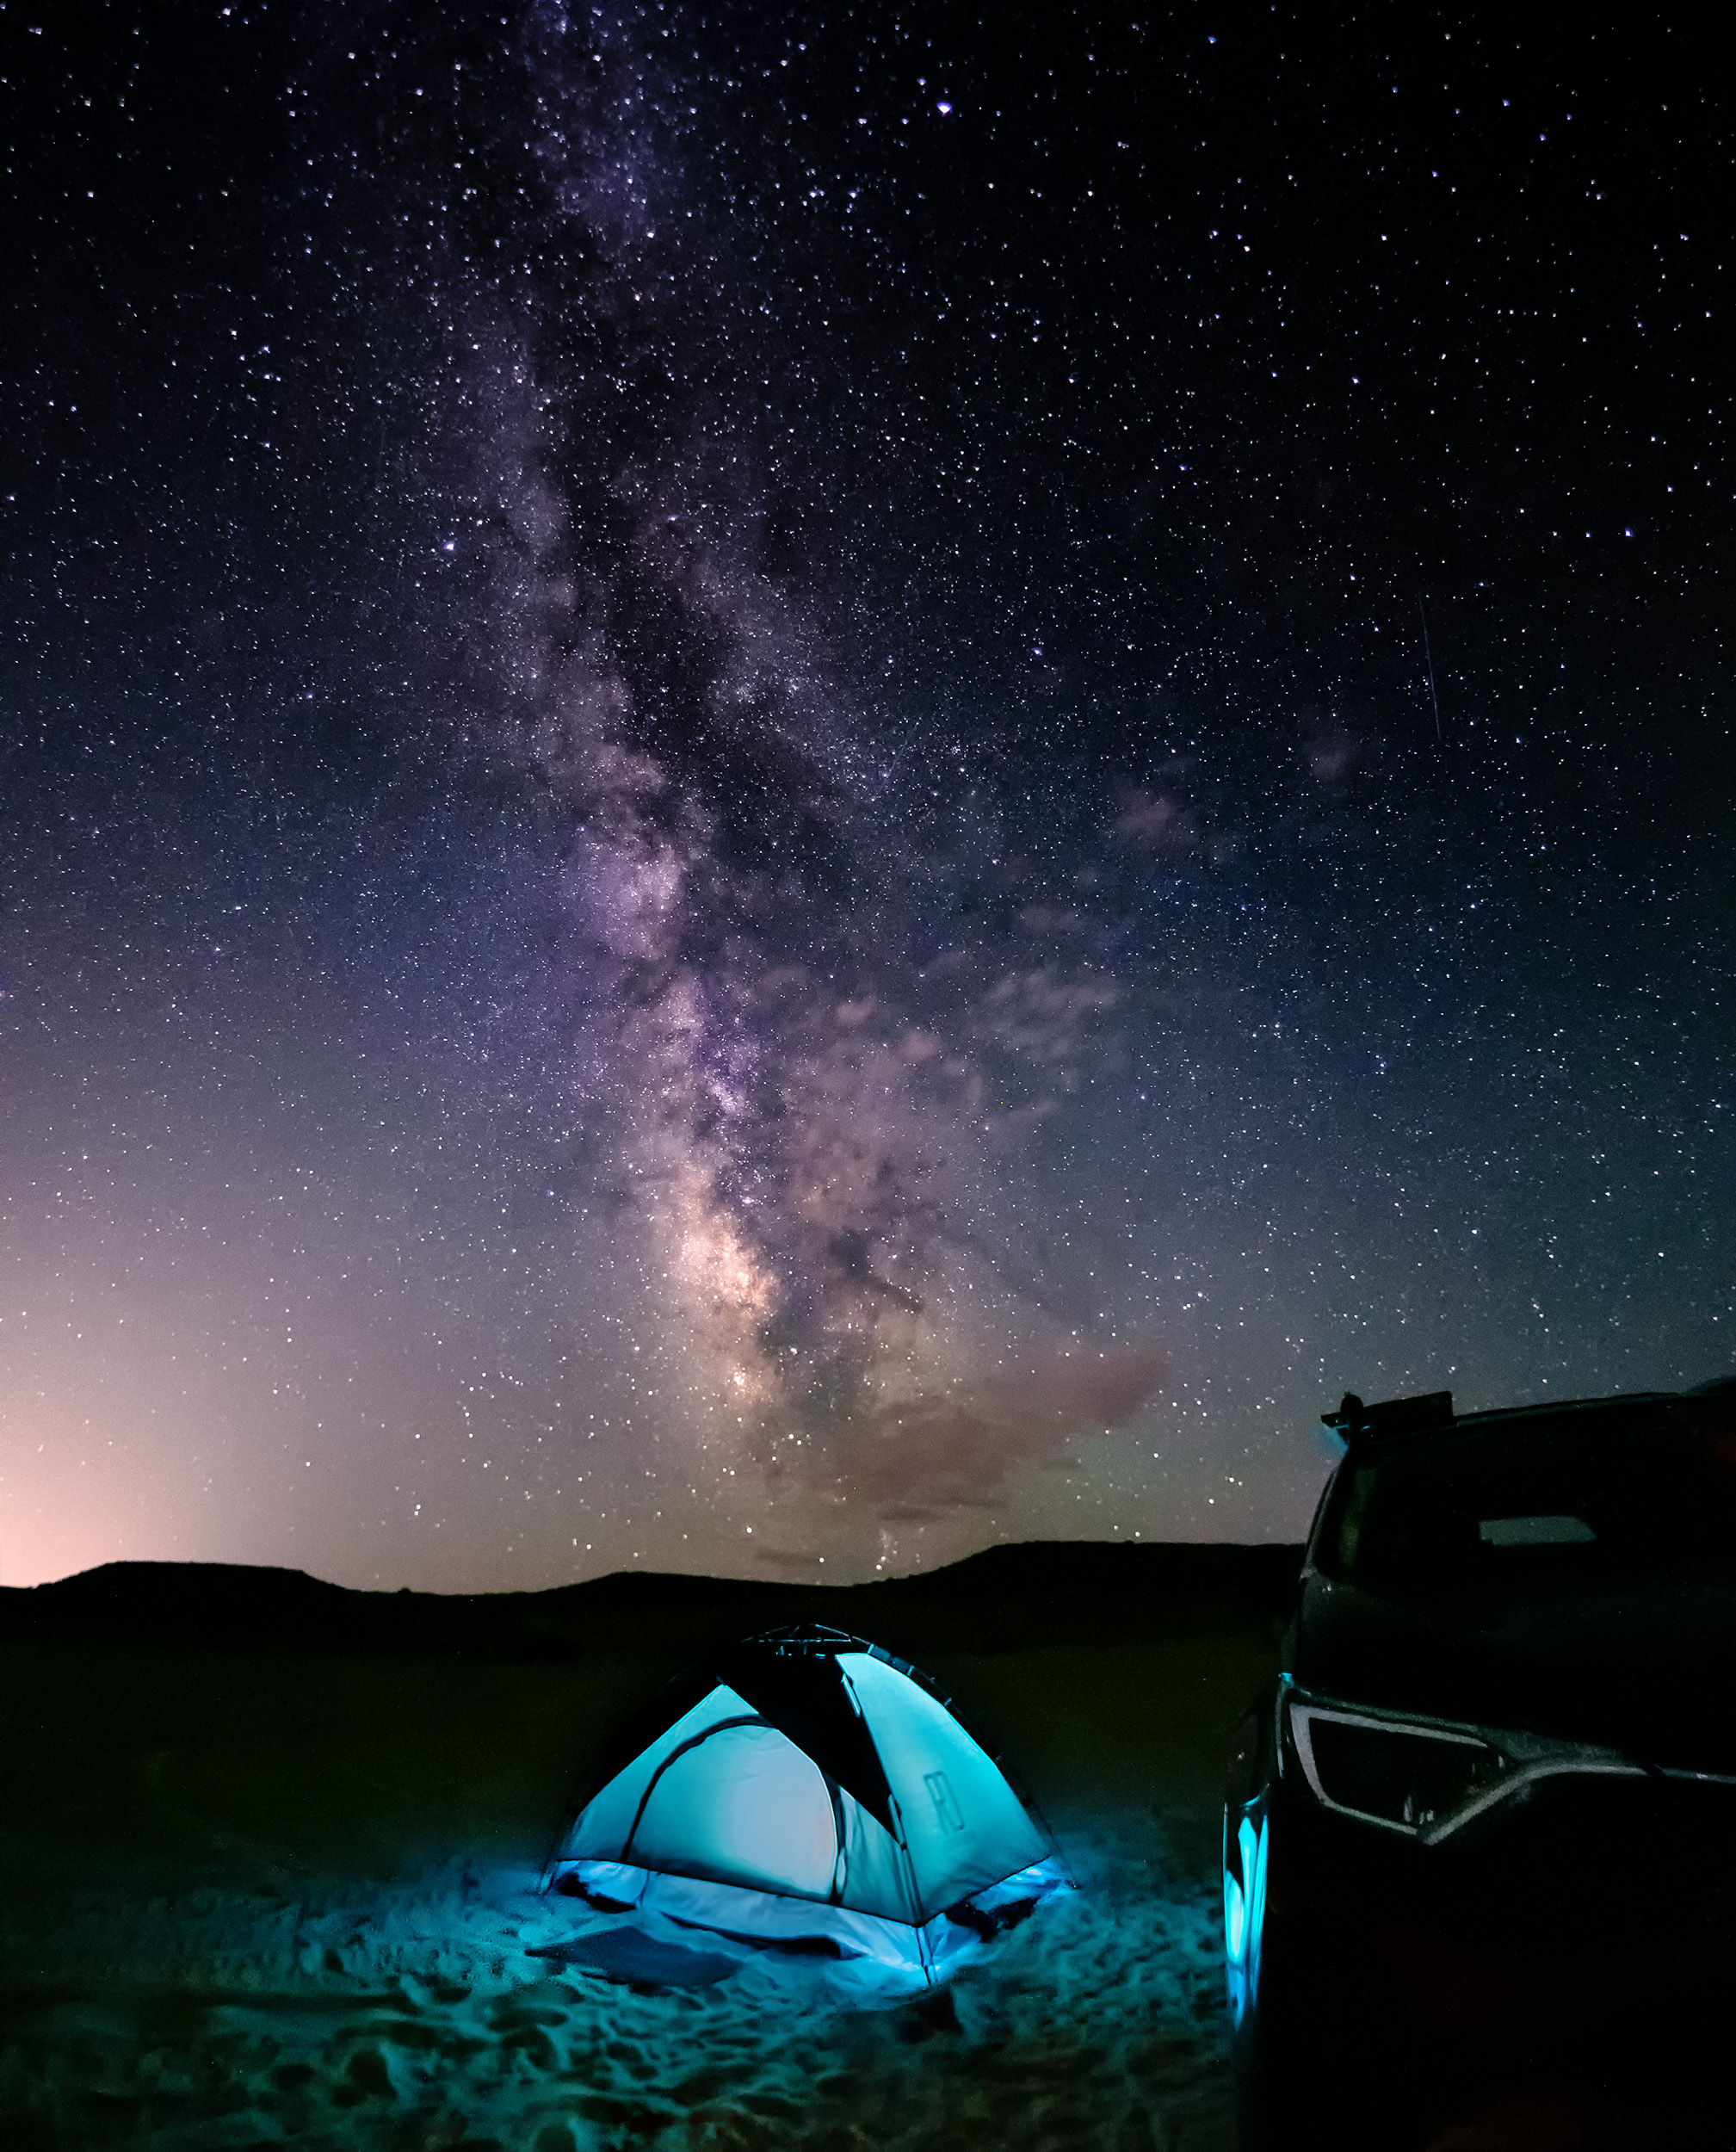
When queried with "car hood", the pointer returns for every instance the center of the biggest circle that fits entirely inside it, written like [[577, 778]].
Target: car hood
[[1646, 1671]]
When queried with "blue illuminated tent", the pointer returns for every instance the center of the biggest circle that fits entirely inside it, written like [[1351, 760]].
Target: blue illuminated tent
[[818, 1796]]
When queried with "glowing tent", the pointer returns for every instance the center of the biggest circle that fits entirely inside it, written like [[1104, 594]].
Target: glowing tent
[[820, 1797]]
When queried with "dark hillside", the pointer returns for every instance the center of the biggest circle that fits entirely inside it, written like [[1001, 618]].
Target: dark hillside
[[1006, 1599]]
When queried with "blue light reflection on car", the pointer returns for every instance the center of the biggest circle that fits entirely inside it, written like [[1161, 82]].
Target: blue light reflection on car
[[1244, 1908]]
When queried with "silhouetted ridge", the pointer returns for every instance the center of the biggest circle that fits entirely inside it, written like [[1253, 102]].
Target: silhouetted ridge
[[126, 1588], [1004, 1598]]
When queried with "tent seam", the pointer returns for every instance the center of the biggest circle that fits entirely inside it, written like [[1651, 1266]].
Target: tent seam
[[693, 1741]]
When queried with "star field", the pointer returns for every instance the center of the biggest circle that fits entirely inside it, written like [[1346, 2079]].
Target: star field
[[782, 791]]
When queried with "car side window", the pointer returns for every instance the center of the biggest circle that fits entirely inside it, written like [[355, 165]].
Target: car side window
[[1353, 1517]]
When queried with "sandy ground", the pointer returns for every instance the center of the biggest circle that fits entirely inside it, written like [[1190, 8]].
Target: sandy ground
[[412, 2016], [251, 1903]]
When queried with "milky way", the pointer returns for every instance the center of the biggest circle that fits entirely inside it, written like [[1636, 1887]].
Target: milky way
[[808, 1082], [783, 795]]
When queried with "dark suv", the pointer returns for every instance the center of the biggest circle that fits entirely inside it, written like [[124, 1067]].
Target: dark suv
[[1478, 1837]]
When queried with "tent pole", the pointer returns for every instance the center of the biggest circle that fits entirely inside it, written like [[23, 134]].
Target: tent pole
[[904, 1845]]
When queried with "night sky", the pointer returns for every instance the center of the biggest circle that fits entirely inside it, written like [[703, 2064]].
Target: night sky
[[784, 789]]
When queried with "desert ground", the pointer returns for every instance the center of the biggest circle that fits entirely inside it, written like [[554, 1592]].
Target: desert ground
[[269, 1849], [270, 1855]]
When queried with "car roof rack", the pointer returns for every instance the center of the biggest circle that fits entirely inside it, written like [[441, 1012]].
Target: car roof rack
[[1548, 1408], [1397, 1416], [1434, 1409]]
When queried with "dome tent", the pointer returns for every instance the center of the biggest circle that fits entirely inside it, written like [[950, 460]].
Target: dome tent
[[817, 1796]]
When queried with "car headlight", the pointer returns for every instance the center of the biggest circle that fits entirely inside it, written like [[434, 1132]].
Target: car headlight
[[1409, 1777], [1425, 1780]]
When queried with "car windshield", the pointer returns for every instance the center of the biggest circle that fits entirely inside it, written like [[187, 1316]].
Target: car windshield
[[1582, 1497]]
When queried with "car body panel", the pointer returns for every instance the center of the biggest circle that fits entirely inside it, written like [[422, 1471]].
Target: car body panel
[[1646, 1668]]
